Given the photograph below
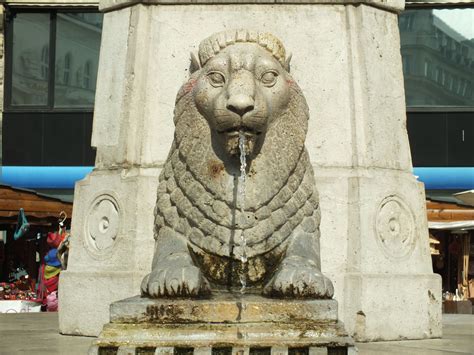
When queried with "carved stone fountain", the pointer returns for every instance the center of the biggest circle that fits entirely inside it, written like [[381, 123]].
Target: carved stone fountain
[[236, 267], [373, 233]]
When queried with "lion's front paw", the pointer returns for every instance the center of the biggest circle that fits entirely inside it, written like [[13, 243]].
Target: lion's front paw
[[299, 281], [172, 281]]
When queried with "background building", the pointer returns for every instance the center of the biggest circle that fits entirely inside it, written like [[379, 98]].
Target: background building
[[438, 64], [437, 46], [50, 71]]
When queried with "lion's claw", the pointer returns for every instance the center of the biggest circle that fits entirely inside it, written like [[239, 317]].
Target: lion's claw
[[185, 281], [293, 281]]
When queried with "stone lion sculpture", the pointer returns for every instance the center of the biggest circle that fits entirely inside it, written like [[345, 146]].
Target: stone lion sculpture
[[240, 85]]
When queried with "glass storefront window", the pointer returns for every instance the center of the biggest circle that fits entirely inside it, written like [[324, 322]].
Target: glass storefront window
[[30, 59], [77, 57], [68, 61], [437, 48]]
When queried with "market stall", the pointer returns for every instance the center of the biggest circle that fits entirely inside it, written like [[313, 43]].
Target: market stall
[[452, 248], [32, 228]]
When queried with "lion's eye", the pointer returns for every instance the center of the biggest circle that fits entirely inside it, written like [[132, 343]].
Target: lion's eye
[[269, 78], [217, 79]]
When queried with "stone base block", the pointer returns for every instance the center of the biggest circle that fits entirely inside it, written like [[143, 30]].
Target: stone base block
[[227, 322], [111, 246], [223, 307], [84, 299], [393, 307]]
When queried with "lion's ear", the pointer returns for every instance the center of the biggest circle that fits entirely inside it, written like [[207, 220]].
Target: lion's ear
[[194, 65], [287, 62]]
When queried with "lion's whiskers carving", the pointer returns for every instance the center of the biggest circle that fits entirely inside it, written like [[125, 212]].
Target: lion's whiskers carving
[[198, 223]]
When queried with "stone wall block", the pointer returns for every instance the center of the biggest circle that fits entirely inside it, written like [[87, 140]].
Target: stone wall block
[[111, 87], [111, 246], [378, 103], [121, 130], [403, 306], [383, 236]]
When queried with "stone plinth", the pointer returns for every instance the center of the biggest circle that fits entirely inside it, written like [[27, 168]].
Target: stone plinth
[[222, 308], [224, 321]]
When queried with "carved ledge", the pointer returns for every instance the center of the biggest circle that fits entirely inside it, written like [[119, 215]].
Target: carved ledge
[[389, 5]]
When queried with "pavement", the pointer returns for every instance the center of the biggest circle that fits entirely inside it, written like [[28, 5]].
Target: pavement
[[458, 338], [37, 333]]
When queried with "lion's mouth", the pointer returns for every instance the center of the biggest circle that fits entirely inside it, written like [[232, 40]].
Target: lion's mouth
[[233, 135], [235, 131]]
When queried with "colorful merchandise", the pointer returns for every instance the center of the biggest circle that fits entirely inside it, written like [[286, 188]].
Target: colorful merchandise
[[52, 302], [55, 238], [52, 258], [51, 271]]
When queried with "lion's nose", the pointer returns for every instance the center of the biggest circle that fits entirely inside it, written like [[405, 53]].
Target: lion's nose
[[240, 104]]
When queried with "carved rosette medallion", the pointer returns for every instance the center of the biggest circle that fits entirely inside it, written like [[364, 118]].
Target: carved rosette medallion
[[102, 223], [395, 227]]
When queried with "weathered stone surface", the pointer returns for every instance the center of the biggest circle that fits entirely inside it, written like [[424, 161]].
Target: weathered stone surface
[[279, 350], [147, 37], [375, 265], [417, 313], [164, 351], [110, 246], [222, 307], [318, 351], [203, 351], [226, 320], [203, 335], [126, 350]]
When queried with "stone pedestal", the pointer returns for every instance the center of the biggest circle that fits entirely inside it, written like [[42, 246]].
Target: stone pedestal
[[378, 254], [226, 322], [111, 247], [374, 237]]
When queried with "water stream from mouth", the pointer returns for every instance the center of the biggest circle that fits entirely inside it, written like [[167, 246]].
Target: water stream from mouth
[[241, 197]]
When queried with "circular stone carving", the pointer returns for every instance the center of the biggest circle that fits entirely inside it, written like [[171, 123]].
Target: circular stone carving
[[102, 223], [395, 227]]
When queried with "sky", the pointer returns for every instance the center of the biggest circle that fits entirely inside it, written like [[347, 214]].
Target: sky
[[460, 20]]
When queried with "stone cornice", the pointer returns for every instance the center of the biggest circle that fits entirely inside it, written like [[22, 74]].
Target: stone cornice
[[389, 5]]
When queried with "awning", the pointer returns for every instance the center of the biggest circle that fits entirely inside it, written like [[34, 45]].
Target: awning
[[457, 225], [466, 197], [39, 209]]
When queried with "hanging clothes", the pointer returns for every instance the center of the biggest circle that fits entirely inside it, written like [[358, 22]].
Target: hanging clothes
[[51, 271], [51, 258], [22, 225], [49, 279]]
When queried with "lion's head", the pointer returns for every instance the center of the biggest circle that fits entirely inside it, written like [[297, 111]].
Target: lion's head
[[241, 83], [243, 86]]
